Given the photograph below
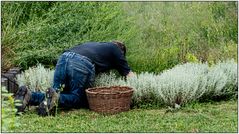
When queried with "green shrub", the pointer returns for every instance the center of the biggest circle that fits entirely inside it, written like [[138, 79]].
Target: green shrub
[[14, 16], [158, 35], [65, 25], [191, 27]]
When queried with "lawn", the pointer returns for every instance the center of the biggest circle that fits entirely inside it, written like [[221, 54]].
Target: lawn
[[195, 117]]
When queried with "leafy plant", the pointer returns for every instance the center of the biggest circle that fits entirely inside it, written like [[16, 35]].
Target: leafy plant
[[145, 86], [9, 121]]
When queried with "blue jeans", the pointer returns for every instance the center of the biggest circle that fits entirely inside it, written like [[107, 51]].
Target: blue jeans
[[77, 73]]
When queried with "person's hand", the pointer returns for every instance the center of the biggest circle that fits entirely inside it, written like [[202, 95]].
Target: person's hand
[[130, 74]]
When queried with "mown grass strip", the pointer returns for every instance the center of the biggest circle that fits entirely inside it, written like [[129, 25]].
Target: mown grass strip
[[195, 117]]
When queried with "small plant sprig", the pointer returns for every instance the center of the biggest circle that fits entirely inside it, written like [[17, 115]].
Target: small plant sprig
[[9, 119], [55, 98], [58, 96]]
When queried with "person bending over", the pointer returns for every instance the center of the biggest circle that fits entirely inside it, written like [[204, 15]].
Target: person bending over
[[76, 69]]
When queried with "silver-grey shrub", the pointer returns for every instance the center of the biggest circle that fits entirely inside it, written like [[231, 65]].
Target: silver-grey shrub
[[222, 79], [36, 78], [182, 84], [108, 79], [177, 86], [145, 85], [229, 67]]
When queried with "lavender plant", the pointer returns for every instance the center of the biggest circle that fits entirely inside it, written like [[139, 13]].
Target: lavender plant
[[109, 79], [145, 86], [182, 83], [179, 85], [36, 78], [222, 78], [174, 87], [229, 67]]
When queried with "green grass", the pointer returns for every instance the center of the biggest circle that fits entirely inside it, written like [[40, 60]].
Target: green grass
[[195, 117]]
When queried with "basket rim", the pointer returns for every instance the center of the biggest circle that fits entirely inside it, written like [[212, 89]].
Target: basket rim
[[103, 87]]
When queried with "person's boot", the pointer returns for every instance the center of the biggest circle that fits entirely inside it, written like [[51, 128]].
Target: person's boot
[[22, 98], [49, 105]]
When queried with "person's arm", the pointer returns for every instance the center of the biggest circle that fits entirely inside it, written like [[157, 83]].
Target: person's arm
[[121, 64]]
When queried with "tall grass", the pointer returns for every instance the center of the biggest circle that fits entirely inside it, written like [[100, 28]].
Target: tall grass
[[14, 16], [159, 35], [169, 31]]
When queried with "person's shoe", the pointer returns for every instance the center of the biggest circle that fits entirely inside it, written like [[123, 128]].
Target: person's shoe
[[48, 106], [22, 98]]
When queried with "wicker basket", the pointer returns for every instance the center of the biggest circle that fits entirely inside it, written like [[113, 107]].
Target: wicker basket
[[109, 100]]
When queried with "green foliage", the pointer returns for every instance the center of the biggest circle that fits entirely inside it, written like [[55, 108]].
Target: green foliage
[[9, 121], [191, 58], [158, 35], [64, 25], [14, 16], [190, 27]]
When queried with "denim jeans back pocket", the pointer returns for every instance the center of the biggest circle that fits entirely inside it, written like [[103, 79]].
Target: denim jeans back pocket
[[78, 73]]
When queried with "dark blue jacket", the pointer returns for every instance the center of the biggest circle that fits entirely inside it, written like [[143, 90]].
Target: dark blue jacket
[[104, 55]]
